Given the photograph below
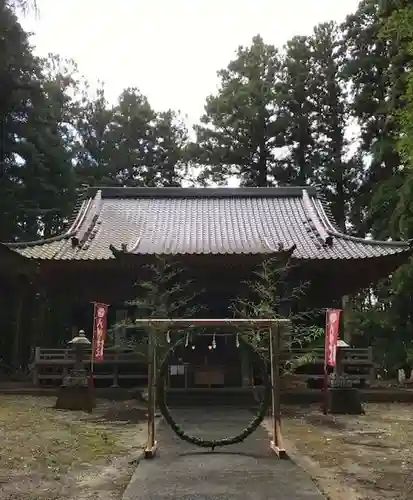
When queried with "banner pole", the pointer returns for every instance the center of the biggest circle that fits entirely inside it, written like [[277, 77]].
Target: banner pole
[[325, 380], [100, 319], [91, 378]]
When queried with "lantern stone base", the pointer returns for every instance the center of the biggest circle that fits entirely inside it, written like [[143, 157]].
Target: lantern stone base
[[344, 401], [75, 398]]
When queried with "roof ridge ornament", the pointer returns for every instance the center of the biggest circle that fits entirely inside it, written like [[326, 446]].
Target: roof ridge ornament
[[281, 248], [124, 248]]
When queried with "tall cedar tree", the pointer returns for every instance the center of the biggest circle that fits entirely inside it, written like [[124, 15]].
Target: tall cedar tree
[[297, 112], [378, 65], [336, 168], [129, 144], [93, 158], [399, 26], [375, 69], [35, 184], [239, 131]]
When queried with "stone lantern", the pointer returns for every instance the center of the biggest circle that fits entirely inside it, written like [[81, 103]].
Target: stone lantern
[[76, 392], [79, 343]]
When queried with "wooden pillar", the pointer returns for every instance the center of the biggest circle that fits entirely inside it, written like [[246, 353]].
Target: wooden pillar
[[345, 305], [150, 449], [120, 332], [372, 371], [36, 366], [119, 341], [39, 315], [65, 369], [28, 324], [115, 381], [245, 369], [277, 444], [16, 349]]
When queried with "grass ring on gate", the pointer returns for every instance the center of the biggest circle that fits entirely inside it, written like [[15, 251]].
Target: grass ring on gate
[[205, 443]]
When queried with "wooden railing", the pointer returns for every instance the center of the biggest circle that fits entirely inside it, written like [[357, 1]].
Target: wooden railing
[[52, 365], [119, 364], [357, 363]]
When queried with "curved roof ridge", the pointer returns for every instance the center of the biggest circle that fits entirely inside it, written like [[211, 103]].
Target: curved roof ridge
[[326, 215], [89, 218], [335, 232], [312, 213], [82, 204], [78, 219]]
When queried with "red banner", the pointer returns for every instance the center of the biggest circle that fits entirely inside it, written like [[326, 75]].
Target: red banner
[[332, 329], [100, 316]]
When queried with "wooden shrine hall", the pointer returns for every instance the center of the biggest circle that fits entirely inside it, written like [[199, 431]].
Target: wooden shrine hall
[[220, 235]]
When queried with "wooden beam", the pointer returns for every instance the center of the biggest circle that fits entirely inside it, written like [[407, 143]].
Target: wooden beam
[[209, 322]]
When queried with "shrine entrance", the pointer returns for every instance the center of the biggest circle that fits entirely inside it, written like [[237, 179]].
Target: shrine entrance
[[159, 376], [210, 361]]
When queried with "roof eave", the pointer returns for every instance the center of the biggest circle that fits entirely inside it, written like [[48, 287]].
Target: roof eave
[[400, 244]]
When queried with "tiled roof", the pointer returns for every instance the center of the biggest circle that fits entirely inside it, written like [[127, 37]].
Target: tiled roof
[[204, 221]]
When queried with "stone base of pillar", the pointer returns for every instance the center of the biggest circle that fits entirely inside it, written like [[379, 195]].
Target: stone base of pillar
[[75, 398], [344, 401]]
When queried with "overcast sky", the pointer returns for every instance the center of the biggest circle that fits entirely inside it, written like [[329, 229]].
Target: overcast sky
[[169, 49]]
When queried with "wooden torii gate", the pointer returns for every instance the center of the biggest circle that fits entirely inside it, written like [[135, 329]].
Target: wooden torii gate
[[275, 328]]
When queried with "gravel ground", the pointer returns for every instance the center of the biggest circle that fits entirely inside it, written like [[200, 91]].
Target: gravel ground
[[370, 455], [50, 454]]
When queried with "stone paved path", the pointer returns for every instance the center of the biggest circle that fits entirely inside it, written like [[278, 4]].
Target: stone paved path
[[246, 471]]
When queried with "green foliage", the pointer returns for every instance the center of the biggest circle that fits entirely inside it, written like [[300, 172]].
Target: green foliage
[[164, 293], [280, 118], [374, 69], [388, 329], [37, 183], [129, 144], [55, 138], [237, 135], [399, 26], [274, 294]]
